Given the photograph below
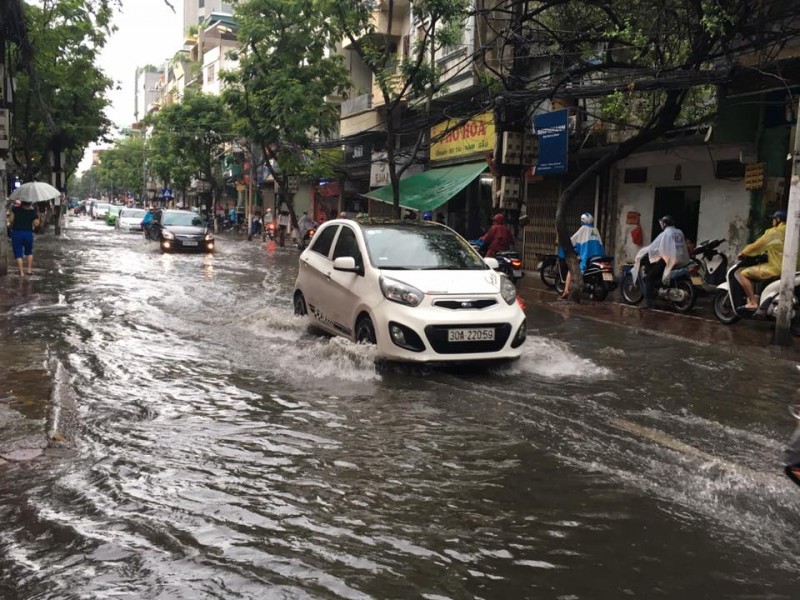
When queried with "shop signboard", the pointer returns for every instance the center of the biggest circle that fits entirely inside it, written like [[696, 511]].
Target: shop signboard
[[379, 170], [452, 140], [552, 129]]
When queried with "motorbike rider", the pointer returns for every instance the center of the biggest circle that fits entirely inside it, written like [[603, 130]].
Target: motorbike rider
[[668, 250], [770, 243], [499, 237], [587, 242], [305, 223]]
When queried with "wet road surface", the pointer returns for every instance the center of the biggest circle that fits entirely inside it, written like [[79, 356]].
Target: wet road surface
[[173, 431]]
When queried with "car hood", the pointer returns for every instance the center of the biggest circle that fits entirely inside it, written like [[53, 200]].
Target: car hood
[[185, 229], [484, 281]]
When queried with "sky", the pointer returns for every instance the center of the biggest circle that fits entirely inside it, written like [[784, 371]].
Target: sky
[[148, 32]]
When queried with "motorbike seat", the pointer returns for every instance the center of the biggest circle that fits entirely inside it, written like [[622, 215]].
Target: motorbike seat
[[601, 258]]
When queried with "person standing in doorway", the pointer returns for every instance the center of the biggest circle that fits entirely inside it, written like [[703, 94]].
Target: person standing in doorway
[[23, 220]]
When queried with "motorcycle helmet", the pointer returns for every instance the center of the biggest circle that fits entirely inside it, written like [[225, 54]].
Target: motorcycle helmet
[[780, 215], [666, 221], [587, 219], [428, 216]]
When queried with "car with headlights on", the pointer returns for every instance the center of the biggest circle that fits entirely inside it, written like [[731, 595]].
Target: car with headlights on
[[181, 230], [417, 290], [130, 219]]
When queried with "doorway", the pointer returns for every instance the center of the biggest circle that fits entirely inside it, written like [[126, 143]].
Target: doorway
[[683, 204]]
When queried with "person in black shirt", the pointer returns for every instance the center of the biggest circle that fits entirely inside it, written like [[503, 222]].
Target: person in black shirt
[[23, 220]]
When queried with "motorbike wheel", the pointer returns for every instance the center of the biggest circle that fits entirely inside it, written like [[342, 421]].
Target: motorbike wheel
[[599, 292], [691, 296], [631, 292], [723, 309], [559, 283], [549, 273]]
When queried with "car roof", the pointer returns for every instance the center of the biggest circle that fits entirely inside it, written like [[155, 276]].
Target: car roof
[[371, 222]]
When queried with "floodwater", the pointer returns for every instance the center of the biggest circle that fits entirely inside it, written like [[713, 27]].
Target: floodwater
[[207, 446]]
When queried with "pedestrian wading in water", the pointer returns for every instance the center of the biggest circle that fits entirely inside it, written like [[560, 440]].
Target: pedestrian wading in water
[[23, 220]]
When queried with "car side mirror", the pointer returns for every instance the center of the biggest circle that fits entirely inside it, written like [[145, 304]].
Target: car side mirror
[[346, 263], [492, 263]]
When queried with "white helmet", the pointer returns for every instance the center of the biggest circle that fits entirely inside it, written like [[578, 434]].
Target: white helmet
[[587, 219]]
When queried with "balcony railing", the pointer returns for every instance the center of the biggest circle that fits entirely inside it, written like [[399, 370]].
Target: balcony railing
[[356, 104]]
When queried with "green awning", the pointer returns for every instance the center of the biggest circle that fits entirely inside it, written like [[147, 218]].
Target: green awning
[[430, 189]]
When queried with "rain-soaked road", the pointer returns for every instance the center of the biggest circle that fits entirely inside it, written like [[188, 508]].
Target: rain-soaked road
[[207, 446]]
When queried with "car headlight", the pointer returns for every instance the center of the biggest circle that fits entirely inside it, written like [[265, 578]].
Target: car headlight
[[507, 290], [399, 292], [209, 237], [167, 235]]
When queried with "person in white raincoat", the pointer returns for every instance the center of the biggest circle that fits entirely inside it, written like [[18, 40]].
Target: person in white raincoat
[[664, 253]]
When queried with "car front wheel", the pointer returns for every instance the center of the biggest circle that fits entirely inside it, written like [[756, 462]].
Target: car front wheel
[[365, 331], [300, 308]]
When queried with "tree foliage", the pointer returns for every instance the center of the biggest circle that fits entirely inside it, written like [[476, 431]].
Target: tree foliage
[[286, 72], [188, 140], [60, 94]]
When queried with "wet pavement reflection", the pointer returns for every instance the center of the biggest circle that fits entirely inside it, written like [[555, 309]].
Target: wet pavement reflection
[[171, 430]]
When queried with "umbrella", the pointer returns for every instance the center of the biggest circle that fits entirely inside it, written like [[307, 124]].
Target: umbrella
[[35, 191]]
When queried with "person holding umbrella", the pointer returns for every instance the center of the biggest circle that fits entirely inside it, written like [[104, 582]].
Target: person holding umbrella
[[23, 220]]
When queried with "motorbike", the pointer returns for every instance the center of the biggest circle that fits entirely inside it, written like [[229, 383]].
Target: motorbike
[[509, 261], [713, 264], [598, 278], [680, 293], [548, 269], [730, 298], [269, 232], [303, 243]]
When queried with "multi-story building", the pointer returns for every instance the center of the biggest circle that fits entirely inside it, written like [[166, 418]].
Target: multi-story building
[[197, 11], [146, 90]]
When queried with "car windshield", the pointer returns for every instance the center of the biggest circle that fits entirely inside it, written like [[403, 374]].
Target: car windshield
[[114, 209], [133, 213], [401, 246], [184, 219]]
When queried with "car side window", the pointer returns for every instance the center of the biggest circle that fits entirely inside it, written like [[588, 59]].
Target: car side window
[[323, 240], [347, 245]]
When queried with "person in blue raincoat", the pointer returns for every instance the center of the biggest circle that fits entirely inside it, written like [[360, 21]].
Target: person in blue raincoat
[[587, 243]]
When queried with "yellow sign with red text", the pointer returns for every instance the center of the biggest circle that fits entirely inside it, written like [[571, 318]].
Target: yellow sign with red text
[[451, 140]]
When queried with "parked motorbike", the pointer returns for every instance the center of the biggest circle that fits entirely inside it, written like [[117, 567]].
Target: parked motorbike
[[713, 264], [303, 243], [510, 262], [548, 269], [598, 278], [680, 293], [730, 299]]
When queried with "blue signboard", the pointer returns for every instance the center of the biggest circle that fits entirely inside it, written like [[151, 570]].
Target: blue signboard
[[553, 131], [166, 193]]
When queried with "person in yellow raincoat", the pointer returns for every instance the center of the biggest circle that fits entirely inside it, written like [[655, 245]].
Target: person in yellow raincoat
[[770, 243]]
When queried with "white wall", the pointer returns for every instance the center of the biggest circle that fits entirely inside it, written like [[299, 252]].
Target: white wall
[[724, 204]]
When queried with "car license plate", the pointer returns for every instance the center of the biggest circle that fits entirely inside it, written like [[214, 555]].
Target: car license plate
[[697, 280], [190, 243], [470, 335], [608, 277]]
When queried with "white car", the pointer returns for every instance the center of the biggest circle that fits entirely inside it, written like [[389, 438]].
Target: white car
[[130, 219], [100, 210], [416, 289]]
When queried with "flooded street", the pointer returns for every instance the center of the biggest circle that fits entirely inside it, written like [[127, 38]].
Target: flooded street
[[207, 446]]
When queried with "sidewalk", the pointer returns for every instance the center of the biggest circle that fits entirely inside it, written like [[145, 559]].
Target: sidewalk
[[698, 327]]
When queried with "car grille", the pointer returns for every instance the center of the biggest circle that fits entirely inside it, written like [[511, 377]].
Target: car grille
[[437, 338], [465, 304]]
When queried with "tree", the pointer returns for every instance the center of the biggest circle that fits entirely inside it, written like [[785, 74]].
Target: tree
[[193, 132], [644, 66], [122, 166], [287, 70], [413, 77]]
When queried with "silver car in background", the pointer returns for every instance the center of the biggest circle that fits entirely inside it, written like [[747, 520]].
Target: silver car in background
[[130, 219]]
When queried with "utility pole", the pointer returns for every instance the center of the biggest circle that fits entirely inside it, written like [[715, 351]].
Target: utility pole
[[57, 162], [783, 325]]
